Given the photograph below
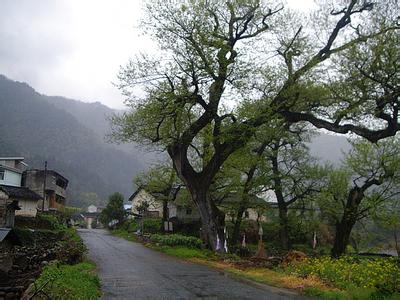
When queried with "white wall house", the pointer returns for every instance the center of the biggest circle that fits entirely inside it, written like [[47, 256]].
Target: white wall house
[[92, 208], [140, 196], [24, 200]]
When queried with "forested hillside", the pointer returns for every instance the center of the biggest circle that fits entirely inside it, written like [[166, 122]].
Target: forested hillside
[[34, 128]]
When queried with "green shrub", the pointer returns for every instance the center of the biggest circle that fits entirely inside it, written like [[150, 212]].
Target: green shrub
[[350, 272], [47, 221], [72, 247], [151, 225], [176, 240], [69, 282], [131, 225]]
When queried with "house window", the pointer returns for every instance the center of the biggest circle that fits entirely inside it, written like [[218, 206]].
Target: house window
[[188, 211], [1, 174]]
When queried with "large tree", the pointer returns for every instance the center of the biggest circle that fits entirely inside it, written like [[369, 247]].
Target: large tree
[[217, 54], [114, 211], [369, 178], [295, 176]]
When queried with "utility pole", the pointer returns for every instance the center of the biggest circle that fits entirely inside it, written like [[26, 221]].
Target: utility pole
[[44, 185]]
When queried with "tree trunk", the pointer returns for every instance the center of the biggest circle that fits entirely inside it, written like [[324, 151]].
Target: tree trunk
[[165, 213], [346, 224], [212, 219], [238, 222], [342, 236], [284, 227], [282, 206], [396, 241]]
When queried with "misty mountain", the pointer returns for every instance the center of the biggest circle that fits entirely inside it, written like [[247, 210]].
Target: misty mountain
[[32, 127], [329, 148], [95, 116]]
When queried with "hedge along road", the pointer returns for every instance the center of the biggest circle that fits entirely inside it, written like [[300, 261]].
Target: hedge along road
[[129, 270]]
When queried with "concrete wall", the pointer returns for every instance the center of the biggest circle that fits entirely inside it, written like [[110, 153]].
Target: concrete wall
[[34, 180], [28, 208]]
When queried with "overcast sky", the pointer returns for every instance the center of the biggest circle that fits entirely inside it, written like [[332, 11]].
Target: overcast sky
[[73, 48]]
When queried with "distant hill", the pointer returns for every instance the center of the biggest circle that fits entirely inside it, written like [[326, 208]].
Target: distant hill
[[95, 116], [33, 127]]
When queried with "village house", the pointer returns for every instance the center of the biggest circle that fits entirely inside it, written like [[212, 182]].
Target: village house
[[185, 211], [140, 197], [91, 216], [255, 208], [56, 185], [14, 198], [182, 211]]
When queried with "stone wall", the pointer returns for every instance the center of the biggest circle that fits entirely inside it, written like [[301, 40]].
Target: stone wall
[[21, 264]]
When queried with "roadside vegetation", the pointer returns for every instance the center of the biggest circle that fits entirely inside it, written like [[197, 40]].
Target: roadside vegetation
[[66, 273], [62, 281], [309, 272]]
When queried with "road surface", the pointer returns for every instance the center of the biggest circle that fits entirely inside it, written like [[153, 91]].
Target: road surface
[[131, 271]]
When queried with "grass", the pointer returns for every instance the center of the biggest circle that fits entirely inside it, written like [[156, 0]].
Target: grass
[[124, 234], [59, 281], [181, 251]]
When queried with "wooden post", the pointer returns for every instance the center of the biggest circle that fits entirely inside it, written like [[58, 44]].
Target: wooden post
[[260, 250]]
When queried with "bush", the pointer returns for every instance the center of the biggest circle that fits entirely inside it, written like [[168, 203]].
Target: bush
[[176, 240], [72, 248], [349, 272], [191, 228], [151, 225], [130, 225], [41, 221]]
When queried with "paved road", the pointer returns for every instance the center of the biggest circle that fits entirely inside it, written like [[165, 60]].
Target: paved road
[[131, 271]]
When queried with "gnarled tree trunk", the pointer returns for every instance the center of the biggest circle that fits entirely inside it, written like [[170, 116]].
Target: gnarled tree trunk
[[284, 227], [212, 220], [346, 224], [236, 226]]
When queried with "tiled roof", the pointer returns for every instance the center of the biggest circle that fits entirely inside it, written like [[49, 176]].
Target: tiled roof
[[19, 192]]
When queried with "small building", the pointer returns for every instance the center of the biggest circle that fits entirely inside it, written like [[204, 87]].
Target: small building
[[90, 219], [141, 196], [15, 199], [92, 208], [255, 208], [56, 186], [183, 211]]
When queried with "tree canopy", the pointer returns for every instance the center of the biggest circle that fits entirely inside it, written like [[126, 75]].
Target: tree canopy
[[228, 69]]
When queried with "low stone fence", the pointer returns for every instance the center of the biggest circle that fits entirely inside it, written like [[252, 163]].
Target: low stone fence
[[21, 263]]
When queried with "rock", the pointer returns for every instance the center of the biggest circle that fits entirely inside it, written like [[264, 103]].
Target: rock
[[44, 263]]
